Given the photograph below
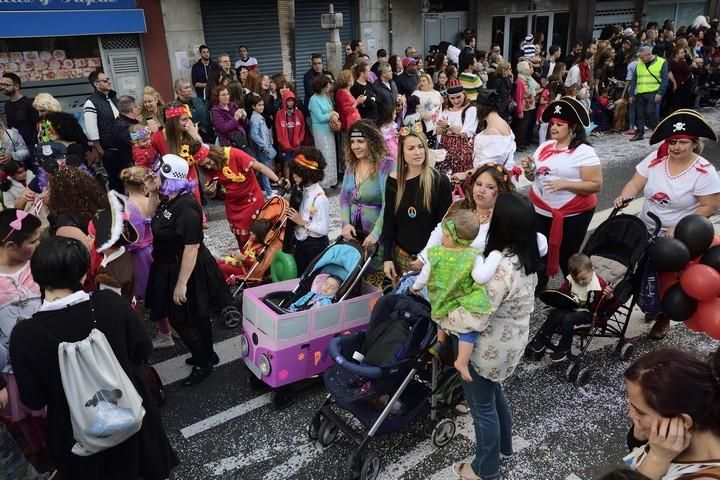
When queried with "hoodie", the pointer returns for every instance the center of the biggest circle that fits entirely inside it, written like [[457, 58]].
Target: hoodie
[[289, 124]]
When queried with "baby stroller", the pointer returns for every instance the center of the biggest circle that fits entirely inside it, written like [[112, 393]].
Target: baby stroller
[[617, 249], [382, 362], [274, 210]]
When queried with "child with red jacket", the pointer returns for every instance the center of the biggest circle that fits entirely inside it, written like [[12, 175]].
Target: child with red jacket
[[143, 153], [289, 128], [590, 291]]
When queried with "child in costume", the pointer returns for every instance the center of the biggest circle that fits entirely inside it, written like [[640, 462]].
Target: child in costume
[[324, 297], [312, 218], [289, 128], [20, 297], [590, 290], [454, 275], [143, 153], [238, 263]]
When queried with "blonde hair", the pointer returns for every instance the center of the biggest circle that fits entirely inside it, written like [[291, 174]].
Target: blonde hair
[[427, 175], [524, 67], [427, 77], [134, 177], [578, 263], [46, 102], [344, 78], [148, 90], [467, 225]]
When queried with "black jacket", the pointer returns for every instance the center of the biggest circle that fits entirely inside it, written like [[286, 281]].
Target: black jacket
[[386, 97], [105, 116], [200, 73]]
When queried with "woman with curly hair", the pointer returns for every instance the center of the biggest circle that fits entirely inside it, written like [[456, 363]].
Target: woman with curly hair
[[312, 217], [362, 196], [416, 198], [64, 128], [151, 110]]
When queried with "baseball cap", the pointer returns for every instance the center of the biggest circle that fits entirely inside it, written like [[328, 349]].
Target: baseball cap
[[408, 61]]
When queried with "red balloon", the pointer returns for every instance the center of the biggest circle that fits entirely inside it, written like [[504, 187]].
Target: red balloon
[[693, 323], [701, 282], [708, 315], [665, 281]]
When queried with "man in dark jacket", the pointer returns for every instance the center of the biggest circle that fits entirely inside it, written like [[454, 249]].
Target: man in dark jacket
[[121, 139], [386, 92], [200, 72], [407, 81], [198, 111], [18, 109], [100, 112], [316, 68]]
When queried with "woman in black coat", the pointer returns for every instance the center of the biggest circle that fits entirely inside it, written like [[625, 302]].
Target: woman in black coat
[[59, 265]]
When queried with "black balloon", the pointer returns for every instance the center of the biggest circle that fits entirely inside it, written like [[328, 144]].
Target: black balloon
[[678, 305], [696, 232], [711, 258], [670, 255]]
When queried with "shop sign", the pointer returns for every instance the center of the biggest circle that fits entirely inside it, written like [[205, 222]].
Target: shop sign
[[21, 5]]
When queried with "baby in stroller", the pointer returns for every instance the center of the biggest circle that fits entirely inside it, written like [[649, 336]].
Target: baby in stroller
[[591, 293], [319, 298], [454, 275]]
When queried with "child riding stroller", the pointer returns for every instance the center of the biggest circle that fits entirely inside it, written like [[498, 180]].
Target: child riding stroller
[[376, 380], [618, 251]]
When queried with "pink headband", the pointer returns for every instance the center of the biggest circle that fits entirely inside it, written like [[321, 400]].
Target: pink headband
[[15, 225]]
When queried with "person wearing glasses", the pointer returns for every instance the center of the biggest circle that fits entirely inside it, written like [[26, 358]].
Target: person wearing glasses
[[19, 109], [316, 68], [101, 112]]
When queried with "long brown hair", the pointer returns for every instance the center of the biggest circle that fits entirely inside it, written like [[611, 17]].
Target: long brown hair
[[376, 145], [497, 172], [175, 136], [427, 175]]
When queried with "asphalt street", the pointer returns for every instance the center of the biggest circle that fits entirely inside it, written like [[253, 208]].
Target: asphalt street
[[226, 429]]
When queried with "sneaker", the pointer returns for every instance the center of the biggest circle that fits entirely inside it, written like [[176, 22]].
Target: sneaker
[[213, 358], [197, 375], [163, 341], [559, 355], [537, 345]]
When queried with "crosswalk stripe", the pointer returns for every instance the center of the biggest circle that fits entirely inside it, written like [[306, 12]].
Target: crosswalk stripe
[[227, 415], [175, 368]]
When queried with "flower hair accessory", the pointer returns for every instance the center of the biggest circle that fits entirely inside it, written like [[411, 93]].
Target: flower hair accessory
[[140, 134], [499, 168], [449, 229], [178, 111], [304, 162], [16, 225]]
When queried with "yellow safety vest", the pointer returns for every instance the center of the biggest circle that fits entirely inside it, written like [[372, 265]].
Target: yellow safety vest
[[646, 82]]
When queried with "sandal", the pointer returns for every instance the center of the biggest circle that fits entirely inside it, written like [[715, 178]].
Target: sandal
[[461, 472]]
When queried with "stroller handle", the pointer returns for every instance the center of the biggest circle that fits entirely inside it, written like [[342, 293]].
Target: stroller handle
[[658, 223], [334, 350]]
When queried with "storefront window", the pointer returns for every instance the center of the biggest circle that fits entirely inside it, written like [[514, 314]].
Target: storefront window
[[687, 13], [61, 58]]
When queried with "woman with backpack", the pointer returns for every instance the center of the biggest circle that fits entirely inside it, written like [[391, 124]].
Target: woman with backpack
[[68, 314], [228, 119]]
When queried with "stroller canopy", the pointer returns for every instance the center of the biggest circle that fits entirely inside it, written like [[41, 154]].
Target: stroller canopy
[[339, 260]]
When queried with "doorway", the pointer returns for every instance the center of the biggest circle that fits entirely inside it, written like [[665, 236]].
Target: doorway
[[446, 26], [509, 31]]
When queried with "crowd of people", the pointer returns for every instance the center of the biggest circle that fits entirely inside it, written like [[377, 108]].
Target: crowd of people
[[119, 205]]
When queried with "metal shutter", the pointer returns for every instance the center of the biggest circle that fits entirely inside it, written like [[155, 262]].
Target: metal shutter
[[613, 12], [310, 38], [228, 24]]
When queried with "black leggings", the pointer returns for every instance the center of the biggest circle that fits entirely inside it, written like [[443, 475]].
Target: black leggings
[[197, 335], [563, 321], [306, 251], [574, 231]]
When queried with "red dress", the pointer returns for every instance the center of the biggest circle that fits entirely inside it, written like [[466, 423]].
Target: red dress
[[159, 143], [243, 195]]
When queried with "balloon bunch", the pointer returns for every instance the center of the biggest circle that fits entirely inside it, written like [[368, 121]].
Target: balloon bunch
[[689, 274]]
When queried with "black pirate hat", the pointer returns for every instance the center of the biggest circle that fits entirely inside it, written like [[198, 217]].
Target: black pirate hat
[[683, 122], [112, 227], [568, 109]]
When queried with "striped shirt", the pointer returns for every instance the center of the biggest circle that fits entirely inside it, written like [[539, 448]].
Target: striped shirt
[[528, 50]]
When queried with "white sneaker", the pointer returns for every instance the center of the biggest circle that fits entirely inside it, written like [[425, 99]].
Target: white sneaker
[[163, 341]]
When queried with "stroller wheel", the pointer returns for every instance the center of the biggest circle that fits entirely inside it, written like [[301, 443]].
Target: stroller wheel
[[370, 468], [583, 377], [626, 351], [314, 427], [572, 372], [327, 433], [443, 432]]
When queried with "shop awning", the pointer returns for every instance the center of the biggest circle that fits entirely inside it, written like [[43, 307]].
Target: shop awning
[[59, 23]]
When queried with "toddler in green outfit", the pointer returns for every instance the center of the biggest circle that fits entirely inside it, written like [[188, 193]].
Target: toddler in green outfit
[[455, 274]]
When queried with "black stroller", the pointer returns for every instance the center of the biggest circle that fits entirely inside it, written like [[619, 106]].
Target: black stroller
[[618, 250], [382, 363]]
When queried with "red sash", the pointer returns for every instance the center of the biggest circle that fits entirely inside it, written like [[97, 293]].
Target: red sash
[[579, 204]]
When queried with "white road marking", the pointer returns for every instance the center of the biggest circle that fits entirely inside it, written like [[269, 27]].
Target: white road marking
[[228, 464], [227, 415], [301, 457], [175, 368]]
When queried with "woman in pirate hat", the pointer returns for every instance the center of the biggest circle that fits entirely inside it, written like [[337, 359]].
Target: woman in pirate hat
[[566, 175], [675, 181]]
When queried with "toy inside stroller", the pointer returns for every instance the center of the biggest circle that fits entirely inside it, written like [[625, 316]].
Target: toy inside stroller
[[617, 250], [375, 378]]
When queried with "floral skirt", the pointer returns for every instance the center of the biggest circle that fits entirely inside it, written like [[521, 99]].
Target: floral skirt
[[459, 153]]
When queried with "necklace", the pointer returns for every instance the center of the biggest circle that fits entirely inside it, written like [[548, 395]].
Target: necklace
[[483, 218]]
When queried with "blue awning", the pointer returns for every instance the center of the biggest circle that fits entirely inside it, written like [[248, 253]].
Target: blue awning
[[71, 23]]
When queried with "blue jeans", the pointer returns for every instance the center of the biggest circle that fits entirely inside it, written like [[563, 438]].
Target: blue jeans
[[265, 181], [493, 424]]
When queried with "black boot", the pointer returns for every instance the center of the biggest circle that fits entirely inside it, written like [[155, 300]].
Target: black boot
[[637, 137], [213, 358], [197, 375]]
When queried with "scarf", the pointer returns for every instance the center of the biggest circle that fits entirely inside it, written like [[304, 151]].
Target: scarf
[[579, 204], [532, 85]]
